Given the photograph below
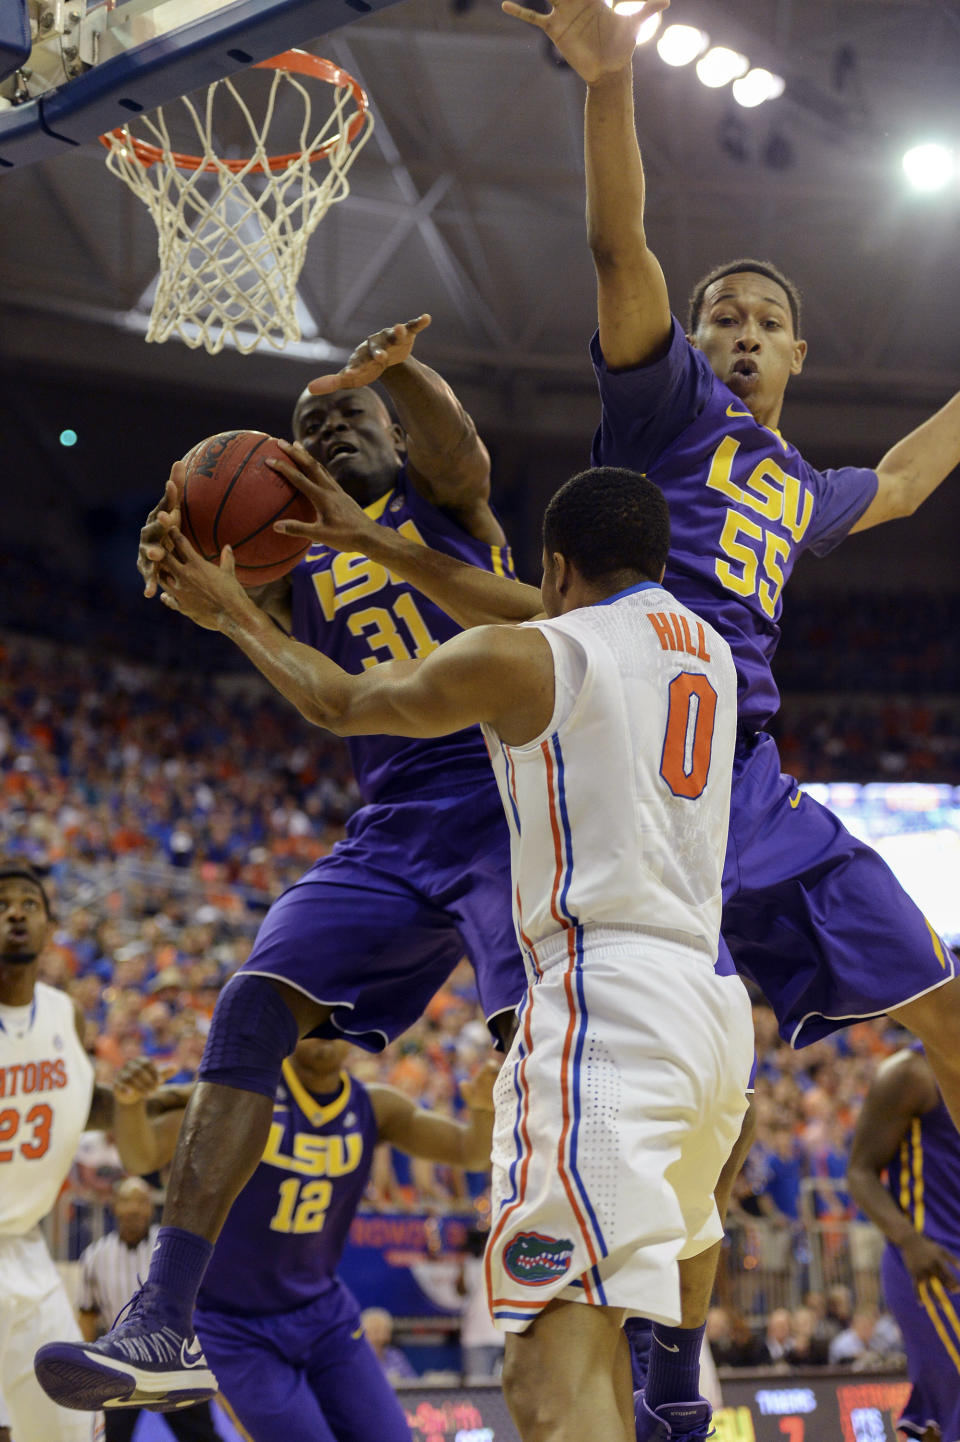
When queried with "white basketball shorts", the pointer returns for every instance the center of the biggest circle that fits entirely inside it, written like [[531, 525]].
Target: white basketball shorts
[[34, 1308], [616, 1108]]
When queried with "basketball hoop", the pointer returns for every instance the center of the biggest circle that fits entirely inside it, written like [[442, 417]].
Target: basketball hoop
[[233, 233]]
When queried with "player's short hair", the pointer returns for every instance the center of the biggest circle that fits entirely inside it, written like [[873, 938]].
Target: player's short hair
[[609, 520], [14, 870], [736, 267]]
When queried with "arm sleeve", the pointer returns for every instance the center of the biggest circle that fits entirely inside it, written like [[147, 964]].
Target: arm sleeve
[[842, 496], [646, 408]]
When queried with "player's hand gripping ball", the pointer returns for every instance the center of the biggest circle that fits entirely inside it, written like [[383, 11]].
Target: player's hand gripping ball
[[231, 497]]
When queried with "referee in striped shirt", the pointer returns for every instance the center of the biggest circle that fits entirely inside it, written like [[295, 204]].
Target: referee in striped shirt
[[110, 1273]]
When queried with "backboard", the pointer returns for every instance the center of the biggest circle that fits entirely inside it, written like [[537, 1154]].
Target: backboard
[[95, 63]]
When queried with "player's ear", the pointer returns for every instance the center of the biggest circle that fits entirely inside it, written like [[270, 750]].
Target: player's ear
[[692, 340], [799, 355], [399, 437], [562, 573]]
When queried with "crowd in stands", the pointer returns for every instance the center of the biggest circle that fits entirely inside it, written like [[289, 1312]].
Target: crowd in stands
[[168, 807]]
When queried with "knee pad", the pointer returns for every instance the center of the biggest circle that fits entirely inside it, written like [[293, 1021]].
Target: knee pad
[[252, 1031]]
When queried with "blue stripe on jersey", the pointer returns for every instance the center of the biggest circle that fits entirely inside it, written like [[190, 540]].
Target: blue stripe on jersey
[[517, 1144], [567, 839], [630, 591], [508, 767], [577, 1108]]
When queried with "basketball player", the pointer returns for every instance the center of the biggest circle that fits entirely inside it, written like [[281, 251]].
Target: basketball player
[[804, 901], [279, 1330], [363, 941], [47, 1098], [905, 1131], [611, 731]]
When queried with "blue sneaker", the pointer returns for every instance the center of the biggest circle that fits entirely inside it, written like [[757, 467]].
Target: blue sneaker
[[145, 1360], [673, 1421]]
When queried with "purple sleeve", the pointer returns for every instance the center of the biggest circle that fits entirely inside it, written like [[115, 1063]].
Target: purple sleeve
[[841, 497], [646, 408]]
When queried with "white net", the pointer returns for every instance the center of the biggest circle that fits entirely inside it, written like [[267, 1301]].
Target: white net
[[233, 233]]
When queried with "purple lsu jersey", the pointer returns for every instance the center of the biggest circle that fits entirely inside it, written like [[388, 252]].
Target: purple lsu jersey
[[744, 504], [359, 614], [285, 1233]]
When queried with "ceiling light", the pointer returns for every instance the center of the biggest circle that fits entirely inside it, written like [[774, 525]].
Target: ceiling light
[[649, 27], [757, 86], [719, 66], [929, 167], [680, 44]]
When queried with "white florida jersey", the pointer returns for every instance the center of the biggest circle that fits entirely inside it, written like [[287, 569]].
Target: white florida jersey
[[46, 1084], [618, 812]]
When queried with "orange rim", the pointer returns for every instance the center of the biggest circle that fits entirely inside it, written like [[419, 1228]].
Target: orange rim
[[298, 61]]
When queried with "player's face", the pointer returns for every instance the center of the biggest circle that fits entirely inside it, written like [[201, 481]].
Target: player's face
[[24, 924], [318, 1061], [352, 435], [746, 333]]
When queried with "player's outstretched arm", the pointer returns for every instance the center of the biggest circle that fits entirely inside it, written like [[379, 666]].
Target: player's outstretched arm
[[904, 1088], [435, 1138], [145, 1137], [471, 595], [632, 302], [914, 468], [447, 461], [502, 675]]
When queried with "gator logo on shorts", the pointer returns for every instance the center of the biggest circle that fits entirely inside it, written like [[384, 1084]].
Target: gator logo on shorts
[[537, 1260]]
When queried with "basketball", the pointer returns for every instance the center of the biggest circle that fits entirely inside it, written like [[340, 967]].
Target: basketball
[[231, 497]]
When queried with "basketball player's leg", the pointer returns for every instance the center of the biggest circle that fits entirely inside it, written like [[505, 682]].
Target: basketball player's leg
[[567, 1376], [349, 1383], [260, 1365], [697, 1277], [361, 955], [712, 1150], [33, 1309]]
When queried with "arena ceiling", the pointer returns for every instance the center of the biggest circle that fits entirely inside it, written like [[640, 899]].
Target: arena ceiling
[[468, 202]]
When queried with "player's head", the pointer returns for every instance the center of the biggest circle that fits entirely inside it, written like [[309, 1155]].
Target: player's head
[[25, 916], [604, 530], [353, 435], [318, 1062], [745, 317], [133, 1209]]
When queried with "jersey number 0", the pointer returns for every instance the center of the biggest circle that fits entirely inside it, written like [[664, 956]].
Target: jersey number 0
[[688, 741]]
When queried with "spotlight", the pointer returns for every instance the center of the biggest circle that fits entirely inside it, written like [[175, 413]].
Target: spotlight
[[680, 44], [649, 27], [68, 438], [929, 167], [757, 86], [719, 66]]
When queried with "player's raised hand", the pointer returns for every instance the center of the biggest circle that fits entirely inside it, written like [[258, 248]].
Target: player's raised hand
[[341, 524], [477, 1091], [593, 39], [155, 537], [927, 1262], [138, 1079], [372, 357], [209, 594]]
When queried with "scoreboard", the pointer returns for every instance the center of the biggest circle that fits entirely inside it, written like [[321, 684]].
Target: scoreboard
[[777, 1407]]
